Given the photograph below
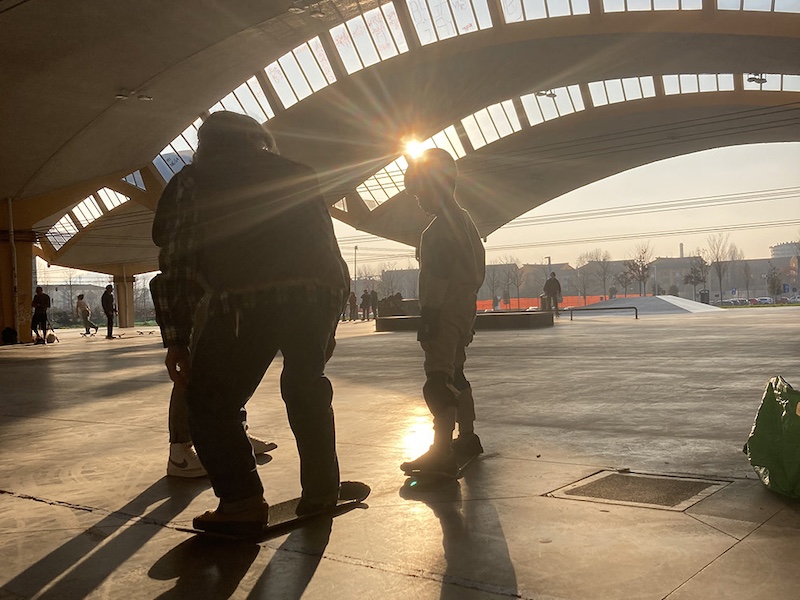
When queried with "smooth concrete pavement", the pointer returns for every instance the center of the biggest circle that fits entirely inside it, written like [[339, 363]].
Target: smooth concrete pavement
[[87, 512]]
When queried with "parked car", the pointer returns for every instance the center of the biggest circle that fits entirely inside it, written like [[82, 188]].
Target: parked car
[[794, 300], [765, 300], [754, 301]]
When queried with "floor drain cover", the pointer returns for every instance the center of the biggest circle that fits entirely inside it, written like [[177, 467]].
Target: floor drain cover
[[636, 489]]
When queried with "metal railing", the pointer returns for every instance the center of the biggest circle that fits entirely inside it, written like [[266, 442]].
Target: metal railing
[[633, 308]]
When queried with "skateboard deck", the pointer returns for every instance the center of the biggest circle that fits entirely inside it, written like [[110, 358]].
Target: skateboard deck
[[283, 516], [462, 463]]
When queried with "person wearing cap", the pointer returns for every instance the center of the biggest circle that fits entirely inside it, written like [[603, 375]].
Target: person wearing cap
[[452, 269], [244, 233]]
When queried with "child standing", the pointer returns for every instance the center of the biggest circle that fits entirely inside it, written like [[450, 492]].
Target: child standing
[[452, 268]]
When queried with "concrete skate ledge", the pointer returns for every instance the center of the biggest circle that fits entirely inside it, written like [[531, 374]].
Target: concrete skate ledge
[[496, 320]]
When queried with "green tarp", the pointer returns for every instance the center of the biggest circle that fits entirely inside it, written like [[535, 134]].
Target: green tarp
[[773, 447]]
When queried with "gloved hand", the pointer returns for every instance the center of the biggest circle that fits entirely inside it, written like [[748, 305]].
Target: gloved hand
[[429, 327]]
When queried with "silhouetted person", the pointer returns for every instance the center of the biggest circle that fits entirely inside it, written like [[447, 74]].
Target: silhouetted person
[[233, 216], [352, 302], [365, 302], [373, 303], [40, 304], [552, 289], [110, 309], [451, 271], [84, 312]]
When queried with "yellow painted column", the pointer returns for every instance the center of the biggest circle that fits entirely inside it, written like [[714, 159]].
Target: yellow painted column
[[123, 294], [23, 243]]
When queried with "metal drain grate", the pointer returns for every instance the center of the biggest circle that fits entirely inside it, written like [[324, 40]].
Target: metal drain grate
[[636, 489]]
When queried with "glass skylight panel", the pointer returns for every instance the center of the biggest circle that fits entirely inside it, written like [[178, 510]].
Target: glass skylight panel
[[690, 83], [247, 99], [531, 10], [789, 6], [386, 183], [298, 74], [87, 211], [612, 6], [60, 233], [774, 82], [491, 124], [448, 139], [612, 91], [135, 178], [110, 198], [758, 5], [551, 104], [179, 152], [437, 20], [369, 38]]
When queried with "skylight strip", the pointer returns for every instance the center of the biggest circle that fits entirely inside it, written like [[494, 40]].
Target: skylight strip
[[379, 32], [436, 20], [87, 211], [322, 59], [310, 67], [110, 198], [346, 48], [364, 44], [261, 98], [295, 76], [393, 21], [280, 84], [135, 178], [473, 132], [61, 232], [534, 9]]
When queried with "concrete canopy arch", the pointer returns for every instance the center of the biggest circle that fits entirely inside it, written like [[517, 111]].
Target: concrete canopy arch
[[67, 131]]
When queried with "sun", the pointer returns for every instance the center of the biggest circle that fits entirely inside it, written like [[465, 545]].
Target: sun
[[414, 148]]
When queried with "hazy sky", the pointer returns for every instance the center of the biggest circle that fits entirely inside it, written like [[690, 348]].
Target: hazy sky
[[755, 170]]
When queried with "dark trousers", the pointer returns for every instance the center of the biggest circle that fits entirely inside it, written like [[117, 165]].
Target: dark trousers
[[226, 370], [110, 325], [39, 321]]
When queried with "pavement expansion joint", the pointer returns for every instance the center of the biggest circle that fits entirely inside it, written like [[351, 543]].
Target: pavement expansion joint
[[645, 490]]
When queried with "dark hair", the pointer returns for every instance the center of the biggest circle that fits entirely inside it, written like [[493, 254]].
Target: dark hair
[[434, 163], [80, 296], [224, 132]]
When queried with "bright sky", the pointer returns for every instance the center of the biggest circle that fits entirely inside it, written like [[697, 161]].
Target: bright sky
[[766, 176], [764, 179]]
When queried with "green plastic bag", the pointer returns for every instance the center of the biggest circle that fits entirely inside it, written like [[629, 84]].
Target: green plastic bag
[[773, 447]]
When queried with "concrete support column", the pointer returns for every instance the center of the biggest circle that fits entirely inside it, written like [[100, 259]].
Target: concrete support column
[[123, 294], [23, 242]]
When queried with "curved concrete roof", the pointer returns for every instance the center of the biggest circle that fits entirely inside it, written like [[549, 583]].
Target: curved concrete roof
[[66, 135]]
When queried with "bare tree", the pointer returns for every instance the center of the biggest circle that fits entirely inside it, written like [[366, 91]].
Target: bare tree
[[601, 260], [623, 280], [639, 265], [698, 272], [493, 280], [719, 253], [512, 276], [390, 281], [583, 274]]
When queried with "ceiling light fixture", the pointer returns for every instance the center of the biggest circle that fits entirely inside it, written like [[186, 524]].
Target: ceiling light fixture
[[144, 97], [297, 8], [316, 12], [757, 78], [546, 93]]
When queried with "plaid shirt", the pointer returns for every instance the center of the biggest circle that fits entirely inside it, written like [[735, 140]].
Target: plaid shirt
[[176, 290]]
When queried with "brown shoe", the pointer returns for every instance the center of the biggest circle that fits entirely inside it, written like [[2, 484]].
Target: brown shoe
[[247, 523]]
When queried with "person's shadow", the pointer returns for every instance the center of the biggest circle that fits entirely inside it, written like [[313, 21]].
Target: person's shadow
[[213, 568], [80, 565], [475, 548]]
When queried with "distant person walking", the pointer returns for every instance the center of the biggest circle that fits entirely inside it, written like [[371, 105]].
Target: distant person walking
[[365, 302], [352, 302], [110, 309], [552, 290], [373, 301], [84, 312], [40, 304]]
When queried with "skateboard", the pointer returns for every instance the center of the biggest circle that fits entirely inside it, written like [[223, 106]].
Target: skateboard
[[461, 462], [284, 517]]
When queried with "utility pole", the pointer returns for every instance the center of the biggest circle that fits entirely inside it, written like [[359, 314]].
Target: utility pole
[[355, 269]]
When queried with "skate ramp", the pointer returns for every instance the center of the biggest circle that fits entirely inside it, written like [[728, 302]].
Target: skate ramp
[[657, 305]]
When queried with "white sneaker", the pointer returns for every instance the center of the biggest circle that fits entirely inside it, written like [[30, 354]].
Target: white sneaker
[[260, 446], [183, 461]]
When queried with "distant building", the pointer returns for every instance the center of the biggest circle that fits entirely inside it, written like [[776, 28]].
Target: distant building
[[785, 250]]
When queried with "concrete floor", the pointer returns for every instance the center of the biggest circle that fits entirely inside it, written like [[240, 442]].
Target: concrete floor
[[86, 511]]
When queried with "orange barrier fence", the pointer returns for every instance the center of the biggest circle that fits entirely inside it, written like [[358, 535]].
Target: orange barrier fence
[[525, 303]]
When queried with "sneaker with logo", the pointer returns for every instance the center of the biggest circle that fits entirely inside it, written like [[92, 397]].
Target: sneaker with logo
[[436, 461], [183, 461], [260, 446]]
